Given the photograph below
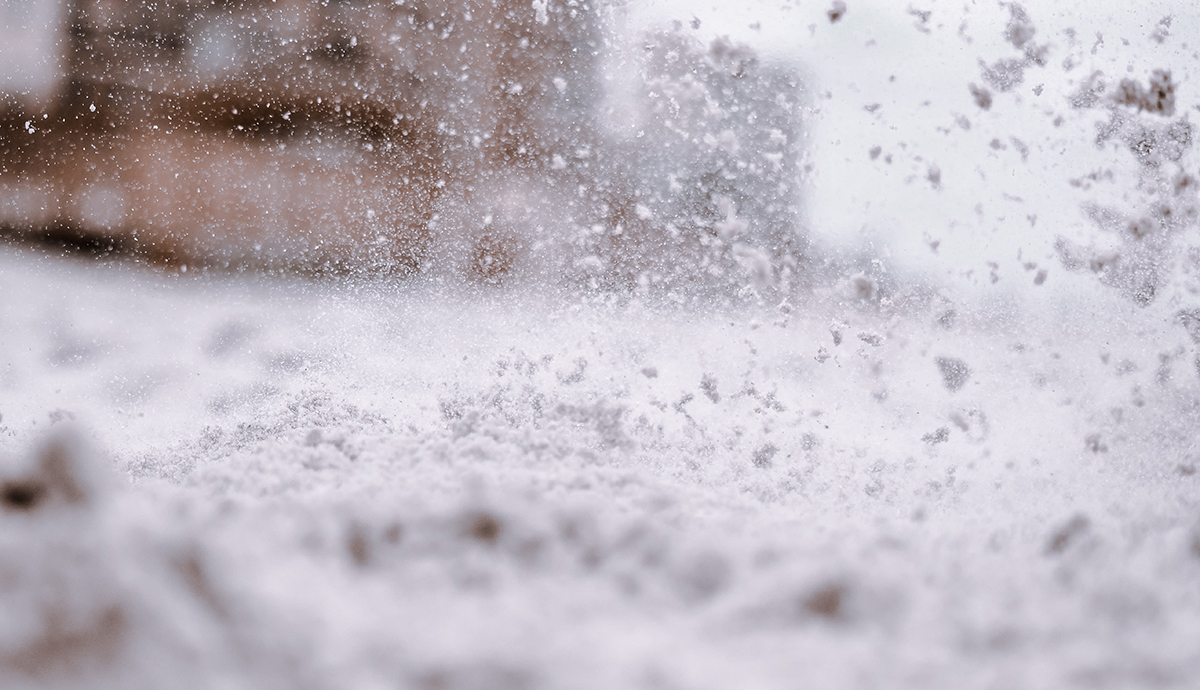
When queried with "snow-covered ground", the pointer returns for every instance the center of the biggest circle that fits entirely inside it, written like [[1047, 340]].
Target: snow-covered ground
[[922, 471], [384, 485]]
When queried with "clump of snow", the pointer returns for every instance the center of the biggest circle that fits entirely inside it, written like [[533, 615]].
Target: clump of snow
[[955, 372]]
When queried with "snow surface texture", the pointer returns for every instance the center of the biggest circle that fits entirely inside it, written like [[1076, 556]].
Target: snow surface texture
[[886, 480], [382, 486]]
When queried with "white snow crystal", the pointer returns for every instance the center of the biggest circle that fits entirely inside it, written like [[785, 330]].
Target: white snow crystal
[[541, 10]]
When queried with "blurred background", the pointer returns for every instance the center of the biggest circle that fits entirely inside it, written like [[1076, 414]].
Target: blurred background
[[475, 140], [353, 136]]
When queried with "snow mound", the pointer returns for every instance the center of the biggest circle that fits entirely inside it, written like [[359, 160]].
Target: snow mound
[[602, 496]]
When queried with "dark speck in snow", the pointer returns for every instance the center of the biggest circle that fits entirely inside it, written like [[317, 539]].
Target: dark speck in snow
[[22, 496], [484, 527], [1068, 534], [836, 12], [827, 601], [983, 97]]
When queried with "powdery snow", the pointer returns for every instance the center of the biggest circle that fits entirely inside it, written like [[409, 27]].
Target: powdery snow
[[389, 485]]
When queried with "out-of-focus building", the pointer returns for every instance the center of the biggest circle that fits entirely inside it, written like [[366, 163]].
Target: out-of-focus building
[[390, 135], [292, 133]]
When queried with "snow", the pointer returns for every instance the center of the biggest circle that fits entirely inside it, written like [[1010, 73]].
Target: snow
[[385, 484], [919, 458]]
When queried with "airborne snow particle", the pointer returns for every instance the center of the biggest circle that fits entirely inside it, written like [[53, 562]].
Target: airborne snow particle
[[708, 384], [1190, 318], [827, 601], [940, 436], [871, 338], [1095, 443], [1021, 147], [1020, 29], [763, 456], [922, 19], [540, 11], [835, 329], [1004, 74], [1162, 30], [955, 372]]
